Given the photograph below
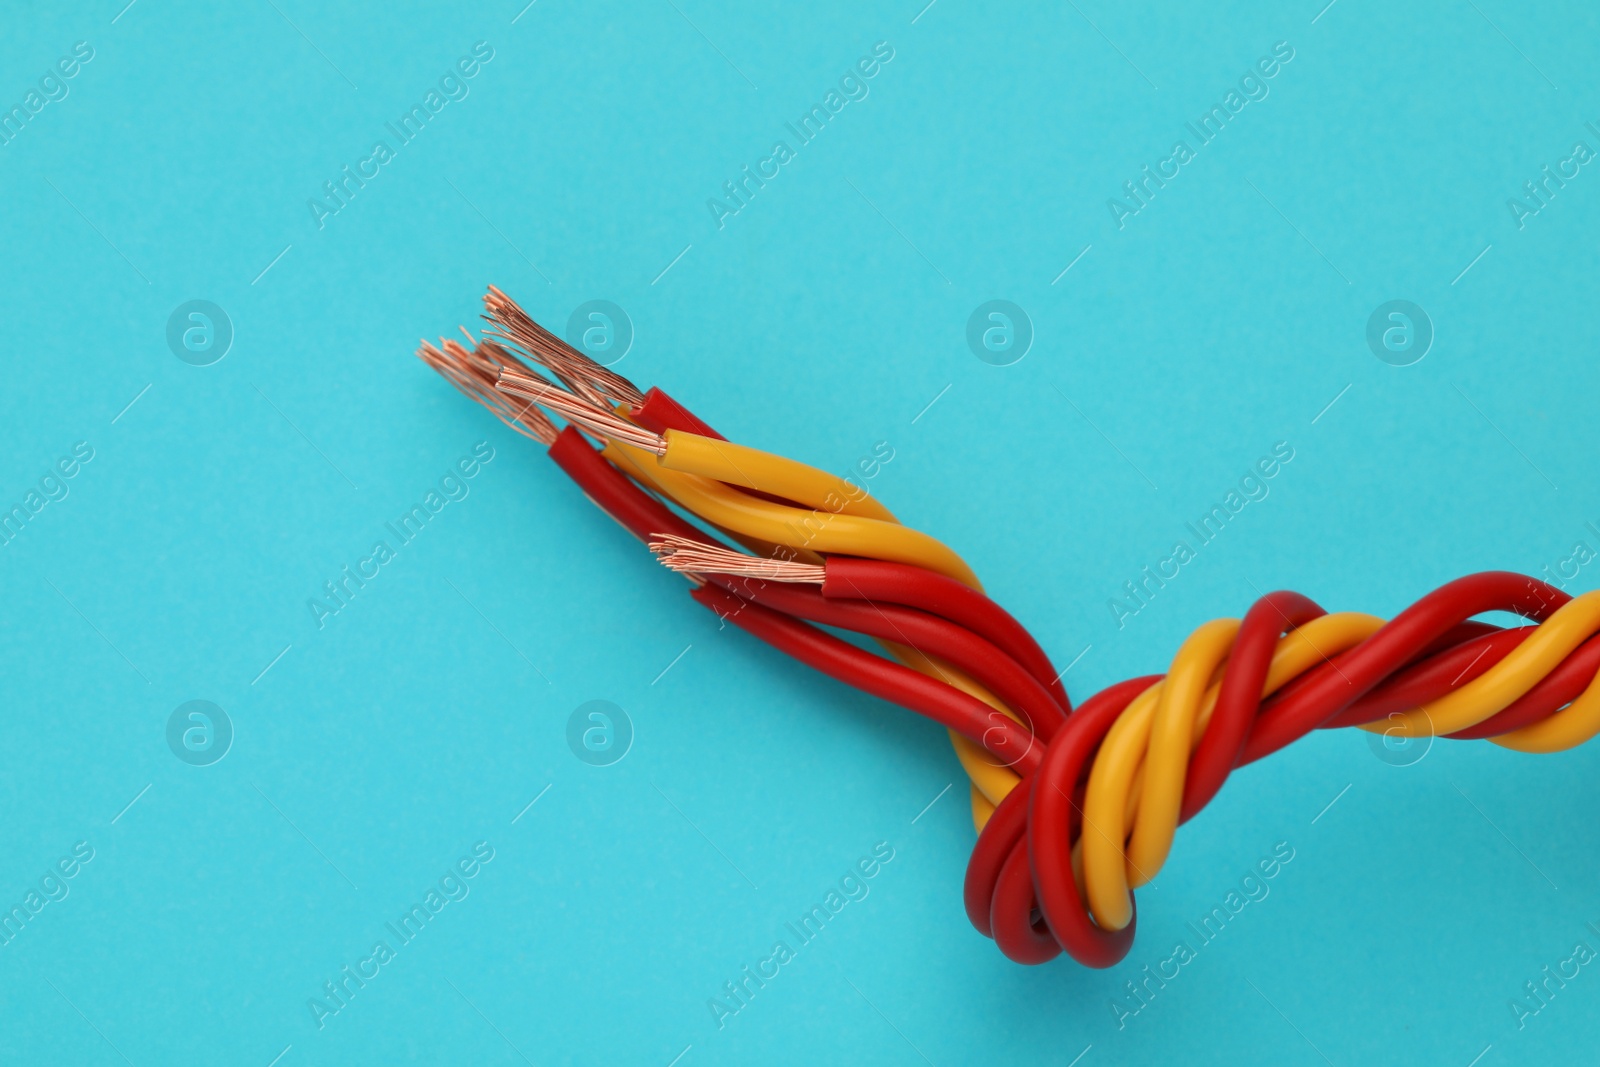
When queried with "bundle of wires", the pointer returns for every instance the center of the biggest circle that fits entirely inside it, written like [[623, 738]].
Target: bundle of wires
[[1074, 807]]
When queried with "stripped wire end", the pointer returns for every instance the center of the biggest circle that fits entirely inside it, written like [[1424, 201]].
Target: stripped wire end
[[697, 557], [475, 371], [595, 418], [593, 382]]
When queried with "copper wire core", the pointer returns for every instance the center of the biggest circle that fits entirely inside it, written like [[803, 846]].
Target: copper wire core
[[697, 557], [474, 372], [583, 376], [597, 420]]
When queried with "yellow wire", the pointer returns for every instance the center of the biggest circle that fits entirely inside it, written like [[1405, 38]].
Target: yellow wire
[[647, 476], [1567, 728], [1494, 690], [821, 532], [1167, 760], [751, 468], [1128, 756]]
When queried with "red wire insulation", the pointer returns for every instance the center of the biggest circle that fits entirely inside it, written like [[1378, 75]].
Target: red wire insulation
[[1007, 740], [1320, 694], [931, 635], [849, 577]]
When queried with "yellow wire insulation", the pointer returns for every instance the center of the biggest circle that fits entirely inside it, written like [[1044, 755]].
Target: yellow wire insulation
[[840, 533], [751, 468]]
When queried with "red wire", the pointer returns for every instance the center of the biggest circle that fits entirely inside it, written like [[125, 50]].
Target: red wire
[[660, 413], [1223, 741], [931, 635], [900, 583], [615, 494], [1322, 693], [1006, 739]]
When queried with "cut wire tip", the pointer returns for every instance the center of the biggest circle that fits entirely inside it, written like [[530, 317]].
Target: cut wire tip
[[582, 375], [595, 418], [475, 371], [699, 557]]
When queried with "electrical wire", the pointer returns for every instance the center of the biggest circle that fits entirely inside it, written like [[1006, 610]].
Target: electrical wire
[[1075, 808]]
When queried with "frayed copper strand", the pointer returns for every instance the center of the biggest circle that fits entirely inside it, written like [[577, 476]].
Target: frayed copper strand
[[475, 371], [696, 557], [594, 418], [583, 376]]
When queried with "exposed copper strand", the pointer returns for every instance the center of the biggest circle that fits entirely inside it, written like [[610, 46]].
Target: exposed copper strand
[[474, 373], [696, 557], [583, 375], [597, 420]]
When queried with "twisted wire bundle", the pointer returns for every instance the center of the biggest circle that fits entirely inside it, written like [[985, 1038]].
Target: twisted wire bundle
[[1074, 808]]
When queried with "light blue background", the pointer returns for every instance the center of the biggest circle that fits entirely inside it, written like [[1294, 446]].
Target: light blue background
[[823, 318]]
